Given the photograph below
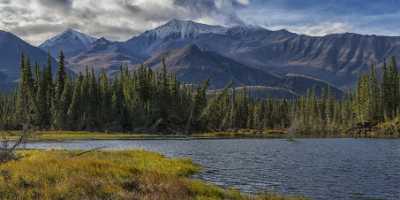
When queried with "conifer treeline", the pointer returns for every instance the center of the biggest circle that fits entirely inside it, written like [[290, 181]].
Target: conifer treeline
[[155, 101], [143, 100]]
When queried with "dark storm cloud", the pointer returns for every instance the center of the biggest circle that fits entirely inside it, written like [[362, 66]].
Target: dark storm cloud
[[64, 5], [132, 8], [225, 9], [116, 32]]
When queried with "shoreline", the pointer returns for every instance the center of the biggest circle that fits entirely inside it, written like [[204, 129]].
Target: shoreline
[[61, 136]]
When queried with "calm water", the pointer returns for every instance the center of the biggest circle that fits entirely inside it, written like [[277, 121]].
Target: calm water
[[323, 169]]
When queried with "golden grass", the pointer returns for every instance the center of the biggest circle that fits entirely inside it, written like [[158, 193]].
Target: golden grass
[[50, 175]]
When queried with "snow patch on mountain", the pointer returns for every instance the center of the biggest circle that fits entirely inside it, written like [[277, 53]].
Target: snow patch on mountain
[[184, 29]]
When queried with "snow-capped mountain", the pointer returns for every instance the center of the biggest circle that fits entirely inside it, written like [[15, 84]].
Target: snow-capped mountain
[[72, 42], [174, 34], [110, 55], [183, 29]]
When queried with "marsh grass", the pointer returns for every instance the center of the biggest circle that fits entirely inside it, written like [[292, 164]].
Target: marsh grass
[[103, 175]]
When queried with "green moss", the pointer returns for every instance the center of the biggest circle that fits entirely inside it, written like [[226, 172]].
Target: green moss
[[106, 175]]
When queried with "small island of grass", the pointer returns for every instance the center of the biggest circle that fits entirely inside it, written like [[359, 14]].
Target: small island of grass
[[107, 175]]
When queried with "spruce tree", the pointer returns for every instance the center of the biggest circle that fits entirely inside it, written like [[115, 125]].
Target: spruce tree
[[61, 76], [59, 107], [374, 96], [74, 113], [25, 99]]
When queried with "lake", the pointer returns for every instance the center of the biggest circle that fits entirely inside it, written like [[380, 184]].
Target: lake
[[321, 169]]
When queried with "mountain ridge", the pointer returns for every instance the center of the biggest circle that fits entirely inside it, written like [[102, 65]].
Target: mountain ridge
[[194, 65], [336, 58], [71, 42], [191, 64]]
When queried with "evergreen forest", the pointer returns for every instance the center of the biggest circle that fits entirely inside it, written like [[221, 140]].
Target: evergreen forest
[[154, 101]]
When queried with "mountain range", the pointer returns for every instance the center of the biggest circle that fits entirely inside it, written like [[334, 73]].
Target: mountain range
[[246, 55]]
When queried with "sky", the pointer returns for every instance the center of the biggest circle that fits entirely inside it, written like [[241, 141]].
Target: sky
[[37, 20]]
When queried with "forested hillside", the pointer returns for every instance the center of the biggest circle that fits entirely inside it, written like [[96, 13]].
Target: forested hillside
[[149, 100]]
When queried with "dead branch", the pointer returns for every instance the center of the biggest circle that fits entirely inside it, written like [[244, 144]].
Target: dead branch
[[88, 151]]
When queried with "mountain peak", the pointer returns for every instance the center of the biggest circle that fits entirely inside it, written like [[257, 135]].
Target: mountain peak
[[102, 40], [5, 34], [70, 34], [70, 41], [178, 21], [70, 30], [73, 32], [184, 29]]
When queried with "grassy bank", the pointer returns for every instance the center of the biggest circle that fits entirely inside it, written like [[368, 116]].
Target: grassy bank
[[85, 135], [50, 175], [80, 135], [384, 130], [244, 133]]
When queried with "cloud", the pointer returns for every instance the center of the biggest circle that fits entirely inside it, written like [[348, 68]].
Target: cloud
[[316, 17], [37, 20], [64, 5], [323, 28], [221, 12]]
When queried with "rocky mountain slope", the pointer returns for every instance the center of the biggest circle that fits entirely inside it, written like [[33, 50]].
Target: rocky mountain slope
[[194, 65], [104, 55], [11, 48]]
